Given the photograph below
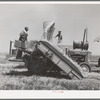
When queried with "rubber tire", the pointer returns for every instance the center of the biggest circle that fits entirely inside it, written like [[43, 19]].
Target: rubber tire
[[26, 63], [87, 65], [36, 66], [26, 59], [99, 62]]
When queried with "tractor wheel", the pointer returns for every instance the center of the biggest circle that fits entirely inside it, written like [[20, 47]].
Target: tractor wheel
[[36, 66], [99, 62], [26, 63], [26, 59], [85, 67]]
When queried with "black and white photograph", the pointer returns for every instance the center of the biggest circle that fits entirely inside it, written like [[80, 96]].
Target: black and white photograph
[[49, 46]]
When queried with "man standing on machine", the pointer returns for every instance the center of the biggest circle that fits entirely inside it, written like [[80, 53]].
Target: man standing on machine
[[59, 35], [23, 39]]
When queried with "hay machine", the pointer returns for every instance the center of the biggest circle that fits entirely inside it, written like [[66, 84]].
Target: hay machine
[[46, 58]]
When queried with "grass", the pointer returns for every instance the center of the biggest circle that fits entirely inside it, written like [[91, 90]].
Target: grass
[[14, 76]]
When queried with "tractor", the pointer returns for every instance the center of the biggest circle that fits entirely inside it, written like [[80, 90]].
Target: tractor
[[80, 53]]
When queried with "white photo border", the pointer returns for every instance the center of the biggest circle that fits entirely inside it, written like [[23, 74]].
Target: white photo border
[[49, 94]]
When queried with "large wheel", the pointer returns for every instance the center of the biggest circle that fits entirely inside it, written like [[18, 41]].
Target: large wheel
[[85, 67], [99, 62], [19, 54], [26, 63], [36, 65], [26, 59]]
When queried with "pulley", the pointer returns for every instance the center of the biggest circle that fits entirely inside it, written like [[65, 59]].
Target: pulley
[[80, 45]]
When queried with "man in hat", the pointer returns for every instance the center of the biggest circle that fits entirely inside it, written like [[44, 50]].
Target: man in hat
[[23, 35], [23, 39]]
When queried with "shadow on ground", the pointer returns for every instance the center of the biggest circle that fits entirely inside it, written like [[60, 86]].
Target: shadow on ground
[[18, 73], [19, 67], [26, 73]]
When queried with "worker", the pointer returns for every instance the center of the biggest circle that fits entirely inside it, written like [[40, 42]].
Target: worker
[[23, 35], [23, 39], [59, 35]]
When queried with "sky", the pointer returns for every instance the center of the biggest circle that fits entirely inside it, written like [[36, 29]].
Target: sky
[[71, 19]]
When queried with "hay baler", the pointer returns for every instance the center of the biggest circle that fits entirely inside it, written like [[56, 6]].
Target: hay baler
[[46, 58]]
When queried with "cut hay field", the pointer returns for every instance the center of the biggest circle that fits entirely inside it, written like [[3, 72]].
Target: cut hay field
[[14, 76]]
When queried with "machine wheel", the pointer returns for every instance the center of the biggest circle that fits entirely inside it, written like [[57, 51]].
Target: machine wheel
[[99, 62], [85, 67], [26, 59], [36, 66], [26, 63]]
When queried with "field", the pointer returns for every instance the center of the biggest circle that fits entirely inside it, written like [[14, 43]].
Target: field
[[14, 76]]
